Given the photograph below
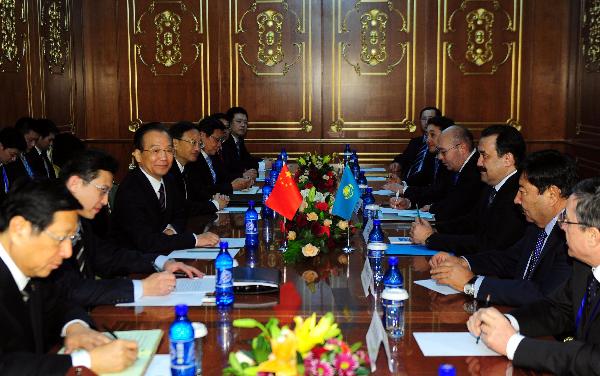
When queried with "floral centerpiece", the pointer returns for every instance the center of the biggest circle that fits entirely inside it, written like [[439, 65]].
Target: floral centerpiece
[[314, 229], [311, 348]]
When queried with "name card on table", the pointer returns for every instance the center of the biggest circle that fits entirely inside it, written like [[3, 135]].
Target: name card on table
[[375, 336], [367, 230], [366, 277]]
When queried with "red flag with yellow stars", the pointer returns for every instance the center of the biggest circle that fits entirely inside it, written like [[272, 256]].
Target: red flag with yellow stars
[[285, 198]]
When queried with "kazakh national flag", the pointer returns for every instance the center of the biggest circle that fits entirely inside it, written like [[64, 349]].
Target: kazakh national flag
[[347, 196]]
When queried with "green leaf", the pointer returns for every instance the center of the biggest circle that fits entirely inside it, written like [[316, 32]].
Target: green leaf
[[234, 362], [250, 371], [262, 350], [355, 347]]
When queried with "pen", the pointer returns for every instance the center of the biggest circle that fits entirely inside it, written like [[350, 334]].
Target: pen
[[418, 212], [112, 334], [487, 304]]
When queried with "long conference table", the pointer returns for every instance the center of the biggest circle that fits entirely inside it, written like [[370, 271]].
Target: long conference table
[[328, 283]]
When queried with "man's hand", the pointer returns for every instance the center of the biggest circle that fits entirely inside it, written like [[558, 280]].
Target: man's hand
[[451, 274], [241, 183], [420, 230], [207, 239], [493, 327], [268, 163], [222, 200], [114, 356], [399, 203], [79, 336], [250, 174], [173, 266], [425, 208], [168, 231], [394, 168], [441, 257], [158, 284]]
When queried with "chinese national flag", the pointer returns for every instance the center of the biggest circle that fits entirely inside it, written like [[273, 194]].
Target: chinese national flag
[[285, 198]]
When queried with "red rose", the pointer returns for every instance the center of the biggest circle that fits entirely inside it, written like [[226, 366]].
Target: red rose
[[301, 220], [322, 206], [308, 185], [318, 230]]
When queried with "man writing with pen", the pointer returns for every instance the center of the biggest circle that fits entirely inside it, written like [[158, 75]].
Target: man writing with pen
[[88, 176], [573, 309]]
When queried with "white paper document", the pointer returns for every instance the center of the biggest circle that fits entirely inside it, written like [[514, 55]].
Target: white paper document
[[205, 284], [375, 336], [366, 278], [433, 285], [399, 240], [372, 169], [236, 209], [376, 178], [200, 253], [384, 192], [171, 300], [451, 344], [248, 191], [159, 366], [234, 242]]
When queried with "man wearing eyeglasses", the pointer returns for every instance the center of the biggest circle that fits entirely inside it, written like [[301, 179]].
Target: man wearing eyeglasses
[[186, 142], [37, 223], [573, 308], [149, 213], [89, 177], [536, 264]]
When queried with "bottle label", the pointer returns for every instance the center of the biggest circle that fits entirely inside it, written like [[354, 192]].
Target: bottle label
[[224, 278], [251, 227], [182, 355]]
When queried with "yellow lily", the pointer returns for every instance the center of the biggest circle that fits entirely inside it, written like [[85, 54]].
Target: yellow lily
[[282, 361], [310, 334]]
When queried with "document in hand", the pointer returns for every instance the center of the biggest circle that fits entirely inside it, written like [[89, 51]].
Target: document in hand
[[433, 285]]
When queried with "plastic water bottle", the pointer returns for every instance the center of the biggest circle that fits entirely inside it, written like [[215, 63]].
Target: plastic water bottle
[[273, 175], [392, 300], [277, 165], [446, 370], [355, 170], [224, 329], [347, 153], [267, 232], [181, 339], [354, 157], [266, 191], [393, 277], [283, 155], [376, 235], [251, 222], [375, 252], [367, 200], [362, 183], [224, 282]]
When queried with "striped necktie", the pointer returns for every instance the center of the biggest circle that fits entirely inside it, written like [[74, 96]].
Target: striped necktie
[[212, 170], [534, 259], [27, 166], [5, 180], [492, 196], [417, 164], [161, 197]]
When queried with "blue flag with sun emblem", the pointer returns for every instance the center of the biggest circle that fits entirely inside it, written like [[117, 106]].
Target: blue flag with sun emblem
[[347, 196]]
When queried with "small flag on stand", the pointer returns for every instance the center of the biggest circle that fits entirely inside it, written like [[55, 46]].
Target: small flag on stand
[[285, 198], [347, 196]]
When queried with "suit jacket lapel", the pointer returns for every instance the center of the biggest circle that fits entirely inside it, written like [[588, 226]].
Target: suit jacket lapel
[[18, 314], [35, 309]]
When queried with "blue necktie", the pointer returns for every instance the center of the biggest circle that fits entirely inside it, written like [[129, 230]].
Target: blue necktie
[[5, 178], [535, 256], [455, 178], [27, 167], [417, 165], [212, 171], [492, 196]]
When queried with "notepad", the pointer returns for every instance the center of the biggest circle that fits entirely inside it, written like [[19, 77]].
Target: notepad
[[372, 169], [376, 178], [433, 285], [409, 250], [248, 191], [399, 240], [194, 299], [160, 365], [200, 253], [413, 214], [384, 192], [451, 344], [205, 284]]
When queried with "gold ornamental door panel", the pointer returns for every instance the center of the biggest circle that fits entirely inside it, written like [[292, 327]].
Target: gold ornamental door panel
[[369, 68], [479, 61], [167, 61], [274, 66]]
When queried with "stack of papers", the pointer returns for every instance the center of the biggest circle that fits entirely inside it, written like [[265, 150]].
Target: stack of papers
[[248, 191], [399, 240], [200, 253], [372, 169], [384, 192], [376, 178], [413, 214], [452, 344], [409, 250]]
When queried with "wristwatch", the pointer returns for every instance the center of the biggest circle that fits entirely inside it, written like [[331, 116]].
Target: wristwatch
[[469, 287]]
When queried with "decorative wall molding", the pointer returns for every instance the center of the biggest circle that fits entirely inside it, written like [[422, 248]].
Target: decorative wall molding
[[591, 36], [13, 45], [54, 34]]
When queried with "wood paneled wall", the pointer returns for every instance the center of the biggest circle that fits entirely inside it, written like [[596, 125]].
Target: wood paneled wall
[[313, 74]]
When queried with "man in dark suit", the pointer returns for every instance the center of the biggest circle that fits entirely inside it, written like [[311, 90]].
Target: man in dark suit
[[238, 161], [456, 152], [21, 168], [38, 156], [149, 213], [406, 164], [573, 308], [186, 142], [496, 222], [207, 175], [89, 176], [436, 178], [12, 144], [538, 263], [37, 224]]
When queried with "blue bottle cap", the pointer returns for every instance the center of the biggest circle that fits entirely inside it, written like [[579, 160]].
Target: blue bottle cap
[[369, 190], [392, 261], [223, 245], [181, 309], [446, 370], [251, 203], [376, 222]]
